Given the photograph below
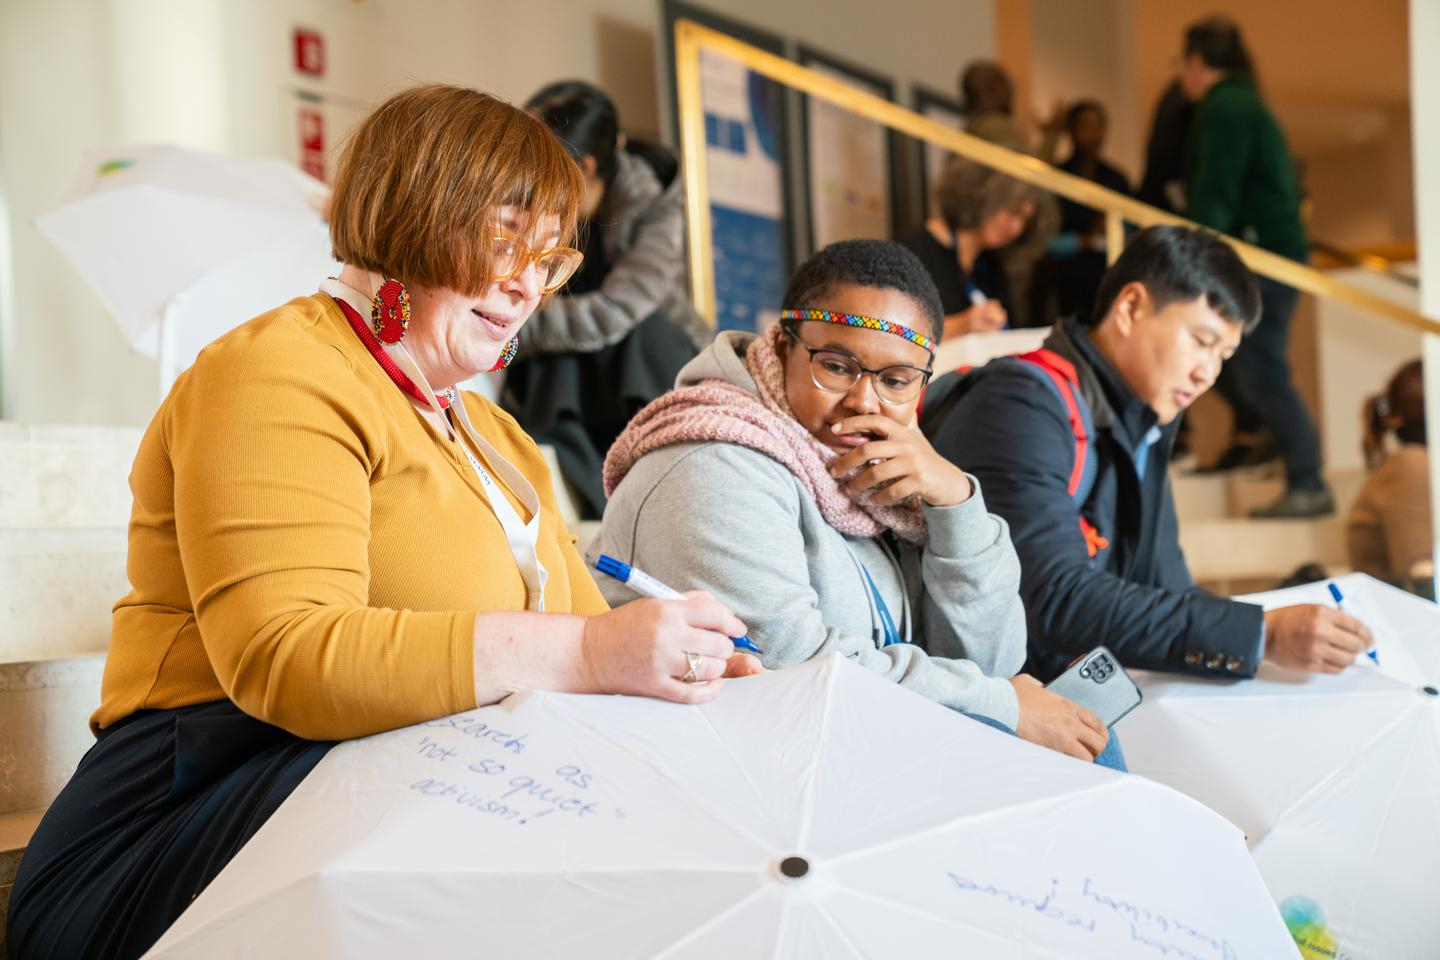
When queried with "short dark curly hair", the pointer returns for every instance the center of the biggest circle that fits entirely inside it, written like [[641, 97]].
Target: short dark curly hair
[[865, 263]]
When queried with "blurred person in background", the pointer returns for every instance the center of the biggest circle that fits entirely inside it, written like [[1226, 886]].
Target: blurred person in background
[[1240, 180], [617, 335], [1078, 250], [988, 93], [1388, 533], [982, 211]]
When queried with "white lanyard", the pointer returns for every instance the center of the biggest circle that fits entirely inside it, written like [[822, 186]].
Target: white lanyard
[[522, 536]]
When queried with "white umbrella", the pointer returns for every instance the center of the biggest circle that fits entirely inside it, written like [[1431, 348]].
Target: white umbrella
[[182, 245], [819, 811], [1335, 779]]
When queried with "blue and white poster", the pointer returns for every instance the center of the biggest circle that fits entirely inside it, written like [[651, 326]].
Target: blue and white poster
[[747, 198]]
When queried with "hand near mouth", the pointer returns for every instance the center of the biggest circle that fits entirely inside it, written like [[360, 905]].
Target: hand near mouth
[[896, 462]]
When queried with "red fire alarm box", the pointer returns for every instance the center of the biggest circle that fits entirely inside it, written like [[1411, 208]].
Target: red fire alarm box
[[312, 142], [309, 52]]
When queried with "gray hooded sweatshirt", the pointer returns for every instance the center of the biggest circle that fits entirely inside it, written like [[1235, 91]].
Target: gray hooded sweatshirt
[[724, 518], [645, 244]]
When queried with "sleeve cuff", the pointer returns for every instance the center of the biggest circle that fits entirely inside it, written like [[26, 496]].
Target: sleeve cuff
[[962, 529]]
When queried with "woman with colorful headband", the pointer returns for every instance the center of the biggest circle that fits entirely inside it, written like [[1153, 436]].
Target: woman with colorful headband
[[786, 476], [329, 541]]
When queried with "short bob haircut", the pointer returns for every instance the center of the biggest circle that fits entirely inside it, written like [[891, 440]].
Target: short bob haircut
[[1180, 264], [422, 180], [971, 193]]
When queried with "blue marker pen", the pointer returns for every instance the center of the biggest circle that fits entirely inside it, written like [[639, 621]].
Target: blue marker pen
[[1340, 599], [647, 586]]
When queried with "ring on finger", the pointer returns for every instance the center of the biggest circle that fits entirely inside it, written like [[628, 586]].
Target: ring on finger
[[694, 660]]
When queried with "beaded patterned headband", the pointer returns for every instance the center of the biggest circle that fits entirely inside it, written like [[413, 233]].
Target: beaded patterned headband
[[865, 323]]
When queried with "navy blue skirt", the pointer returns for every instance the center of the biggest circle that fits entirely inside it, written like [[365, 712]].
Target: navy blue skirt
[[156, 809]]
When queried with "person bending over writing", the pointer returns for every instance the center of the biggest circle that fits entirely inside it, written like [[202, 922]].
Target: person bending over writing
[[786, 476], [328, 541], [1072, 443]]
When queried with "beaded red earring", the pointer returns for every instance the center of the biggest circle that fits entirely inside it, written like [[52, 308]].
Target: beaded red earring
[[507, 354], [390, 312]]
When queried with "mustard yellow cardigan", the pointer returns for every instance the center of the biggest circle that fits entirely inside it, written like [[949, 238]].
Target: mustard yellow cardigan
[[303, 545]]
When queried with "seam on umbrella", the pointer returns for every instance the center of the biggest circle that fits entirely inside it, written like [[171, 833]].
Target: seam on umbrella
[[781, 928], [839, 930], [973, 818], [708, 924], [720, 814], [1326, 780], [812, 774]]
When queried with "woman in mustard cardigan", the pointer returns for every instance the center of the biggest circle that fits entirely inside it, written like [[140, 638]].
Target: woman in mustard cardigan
[[328, 541]]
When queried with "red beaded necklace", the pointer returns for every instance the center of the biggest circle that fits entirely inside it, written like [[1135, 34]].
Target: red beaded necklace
[[377, 350]]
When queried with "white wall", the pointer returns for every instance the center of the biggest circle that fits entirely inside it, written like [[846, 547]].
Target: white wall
[[1087, 51], [76, 75]]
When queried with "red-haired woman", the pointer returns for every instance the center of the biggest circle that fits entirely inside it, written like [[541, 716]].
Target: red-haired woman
[[329, 541]]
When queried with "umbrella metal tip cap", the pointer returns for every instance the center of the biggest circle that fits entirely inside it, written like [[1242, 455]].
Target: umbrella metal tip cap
[[1430, 691], [794, 868]]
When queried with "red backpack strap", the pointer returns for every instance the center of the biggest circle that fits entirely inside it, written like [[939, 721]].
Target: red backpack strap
[[1062, 372]]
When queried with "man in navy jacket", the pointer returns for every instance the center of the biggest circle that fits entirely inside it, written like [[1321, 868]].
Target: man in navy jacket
[[1102, 563]]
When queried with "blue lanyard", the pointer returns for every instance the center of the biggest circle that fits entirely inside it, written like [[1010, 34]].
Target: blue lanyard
[[892, 636]]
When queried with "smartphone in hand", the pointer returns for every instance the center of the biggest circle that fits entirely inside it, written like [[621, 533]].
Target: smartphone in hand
[[1098, 683]]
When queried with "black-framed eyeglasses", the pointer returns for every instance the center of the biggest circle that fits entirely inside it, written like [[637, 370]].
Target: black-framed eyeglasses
[[837, 372]]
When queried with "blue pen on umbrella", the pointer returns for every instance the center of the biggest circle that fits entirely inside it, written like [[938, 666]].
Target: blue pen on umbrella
[[647, 586], [1339, 601]]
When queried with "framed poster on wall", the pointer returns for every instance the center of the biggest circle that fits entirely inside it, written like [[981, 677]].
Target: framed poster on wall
[[932, 159], [745, 138], [849, 160]]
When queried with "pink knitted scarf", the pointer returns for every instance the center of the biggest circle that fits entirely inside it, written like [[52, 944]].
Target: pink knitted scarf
[[714, 410]]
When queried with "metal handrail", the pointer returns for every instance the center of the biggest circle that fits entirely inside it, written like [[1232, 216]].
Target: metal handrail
[[691, 39]]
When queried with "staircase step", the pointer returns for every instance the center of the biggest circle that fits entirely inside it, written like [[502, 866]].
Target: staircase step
[[65, 476], [56, 590], [1233, 495], [45, 709], [16, 829], [1233, 549]]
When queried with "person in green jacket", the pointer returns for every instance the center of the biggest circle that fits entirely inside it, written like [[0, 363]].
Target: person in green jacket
[[1240, 180]]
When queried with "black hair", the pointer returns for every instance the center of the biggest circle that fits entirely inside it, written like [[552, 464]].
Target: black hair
[[1405, 398], [865, 263], [583, 118], [1218, 43], [1180, 264], [1072, 116], [986, 86]]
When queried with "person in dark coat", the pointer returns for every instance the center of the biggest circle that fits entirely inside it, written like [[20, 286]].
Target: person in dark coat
[[1078, 250], [1170, 310], [1163, 183], [1240, 179]]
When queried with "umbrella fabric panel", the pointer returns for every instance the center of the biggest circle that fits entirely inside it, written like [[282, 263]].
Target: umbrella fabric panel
[[137, 249], [197, 241], [261, 182], [629, 827], [1335, 779], [920, 767], [1365, 846], [1214, 741], [1106, 872]]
